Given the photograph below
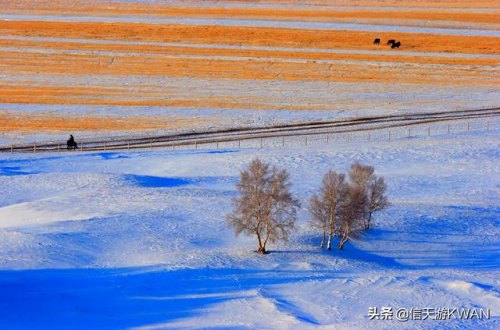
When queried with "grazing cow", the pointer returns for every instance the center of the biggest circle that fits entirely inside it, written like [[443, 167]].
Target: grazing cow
[[71, 144], [396, 44], [390, 42], [376, 41]]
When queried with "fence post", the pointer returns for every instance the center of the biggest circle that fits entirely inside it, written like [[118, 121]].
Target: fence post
[[306, 140], [429, 131], [239, 144], [468, 126], [34, 147], [261, 143], [150, 145], [128, 145], [409, 132], [448, 128], [58, 147], [217, 145], [389, 134], [104, 146], [487, 125], [81, 147], [11, 148], [369, 137], [327, 138]]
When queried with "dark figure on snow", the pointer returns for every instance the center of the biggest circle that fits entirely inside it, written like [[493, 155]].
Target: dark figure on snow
[[376, 41], [390, 42], [71, 143], [396, 44]]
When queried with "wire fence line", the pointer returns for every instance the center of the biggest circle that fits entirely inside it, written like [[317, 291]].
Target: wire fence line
[[347, 137], [382, 131]]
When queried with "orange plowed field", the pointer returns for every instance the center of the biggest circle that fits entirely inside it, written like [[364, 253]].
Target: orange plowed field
[[47, 59], [46, 123]]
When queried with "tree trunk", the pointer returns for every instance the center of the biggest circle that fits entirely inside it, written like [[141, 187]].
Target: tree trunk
[[343, 241], [266, 219], [345, 238], [261, 248], [322, 245], [330, 232]]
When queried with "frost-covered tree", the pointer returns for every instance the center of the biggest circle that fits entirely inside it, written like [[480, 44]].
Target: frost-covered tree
[[319, 216], [373, 188], [265, 206], [351, 212], [360, 177], [343, 207], [325, 207], [377, 199]]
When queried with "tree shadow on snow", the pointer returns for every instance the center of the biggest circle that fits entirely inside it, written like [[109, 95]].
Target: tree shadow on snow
[[449, 237], [118, 298], [148, 181], [350, 251]]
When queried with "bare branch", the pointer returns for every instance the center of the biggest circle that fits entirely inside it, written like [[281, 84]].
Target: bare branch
[[324, 208], [265, 207]]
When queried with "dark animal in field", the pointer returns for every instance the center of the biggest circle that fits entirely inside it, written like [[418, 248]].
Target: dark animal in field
[[396, 44], [376, 41], [390, 42], [71, 144]]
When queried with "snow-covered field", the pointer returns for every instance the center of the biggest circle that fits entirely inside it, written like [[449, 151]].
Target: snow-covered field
[[138, 239]]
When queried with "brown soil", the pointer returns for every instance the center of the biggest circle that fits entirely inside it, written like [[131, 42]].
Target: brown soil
[[19, 122]]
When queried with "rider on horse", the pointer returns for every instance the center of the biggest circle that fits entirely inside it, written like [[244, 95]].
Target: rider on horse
[[71, 144]]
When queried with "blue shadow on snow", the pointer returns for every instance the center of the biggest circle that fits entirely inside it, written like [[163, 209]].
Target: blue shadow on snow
[[14, 170], [147, 181], [120, 298]]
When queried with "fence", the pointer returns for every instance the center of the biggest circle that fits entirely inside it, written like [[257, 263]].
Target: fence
[[372, 135], [366, 134]]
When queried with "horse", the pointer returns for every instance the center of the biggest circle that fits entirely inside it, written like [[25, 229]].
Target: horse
[[390, 42], [396, 44], [376, 41], [71, 144]]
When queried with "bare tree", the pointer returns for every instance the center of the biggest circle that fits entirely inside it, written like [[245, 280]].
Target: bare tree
[[265, 207], [373, 188], [351, 212], [319, 216], [361, 176], [342, 208], [325, 207], [377, 199]]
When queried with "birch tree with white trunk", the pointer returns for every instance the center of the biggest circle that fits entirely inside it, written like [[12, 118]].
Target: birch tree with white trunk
[[324, 208]]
